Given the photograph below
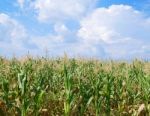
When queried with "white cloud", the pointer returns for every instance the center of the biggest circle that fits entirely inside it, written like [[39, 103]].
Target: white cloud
[[16, 40], [119, 29], [13, 35], [58, 10], [48, 41], [61, 29], [11, 29], [21, 3]]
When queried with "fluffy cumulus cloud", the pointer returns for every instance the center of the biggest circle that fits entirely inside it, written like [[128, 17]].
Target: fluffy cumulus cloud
[[121, 31], [10, 28], [15, 39], [12, 34], [118, 31], [58, 10]]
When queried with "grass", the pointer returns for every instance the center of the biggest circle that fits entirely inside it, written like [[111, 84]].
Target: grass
[[81, 87]]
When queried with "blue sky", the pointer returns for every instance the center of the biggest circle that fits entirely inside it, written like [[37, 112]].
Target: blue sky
[[117, 29]]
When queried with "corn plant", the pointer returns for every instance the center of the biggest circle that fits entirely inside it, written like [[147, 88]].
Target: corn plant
[[38, 92], [44, 86], [98, 93], [68, 91], [5, 88], [22, 91]]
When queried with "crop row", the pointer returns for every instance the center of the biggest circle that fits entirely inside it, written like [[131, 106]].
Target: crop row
[[74, 87]]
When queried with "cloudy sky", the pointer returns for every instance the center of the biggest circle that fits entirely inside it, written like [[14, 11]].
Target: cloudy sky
[[118, 29]]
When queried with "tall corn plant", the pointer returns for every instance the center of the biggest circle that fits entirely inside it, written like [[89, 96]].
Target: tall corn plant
[[38, 92], [22, 91], [108, 89], [85, 88], [68, 91], [98, 93]]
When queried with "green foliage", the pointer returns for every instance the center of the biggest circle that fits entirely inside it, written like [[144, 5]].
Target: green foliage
[[71, 87]]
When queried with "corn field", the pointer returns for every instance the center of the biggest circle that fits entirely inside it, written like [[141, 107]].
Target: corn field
[[74, 87]]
